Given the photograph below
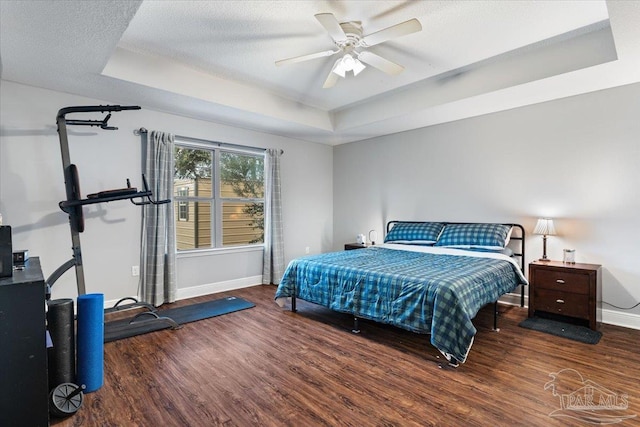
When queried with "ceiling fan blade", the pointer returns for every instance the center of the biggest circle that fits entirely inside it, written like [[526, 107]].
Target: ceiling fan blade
[[398, 30], [306, 57], [331, 81], [331, 24], [380, 63]]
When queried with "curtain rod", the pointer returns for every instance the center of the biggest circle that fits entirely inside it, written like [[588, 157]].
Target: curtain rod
[[140, 131]]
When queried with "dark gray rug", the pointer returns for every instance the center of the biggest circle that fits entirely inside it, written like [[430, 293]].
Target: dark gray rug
[[125, 328], [561, 329]]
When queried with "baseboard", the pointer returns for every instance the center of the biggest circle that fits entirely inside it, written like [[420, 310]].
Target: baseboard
[[627, 320], [207, 289], [513, 299], [213, 288]]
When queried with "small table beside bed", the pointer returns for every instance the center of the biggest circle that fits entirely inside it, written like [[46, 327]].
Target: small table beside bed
[[427, 277]]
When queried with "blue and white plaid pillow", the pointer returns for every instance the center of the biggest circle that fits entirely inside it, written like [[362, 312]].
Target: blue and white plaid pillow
[[475, 236], [416, 233]]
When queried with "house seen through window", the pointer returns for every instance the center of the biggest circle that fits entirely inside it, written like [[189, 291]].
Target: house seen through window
[[218, 196]]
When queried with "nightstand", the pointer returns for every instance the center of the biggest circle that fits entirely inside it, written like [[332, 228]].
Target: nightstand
[[566, 290], [350, 246]]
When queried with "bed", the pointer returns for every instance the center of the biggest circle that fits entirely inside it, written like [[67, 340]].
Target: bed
[[427, 277]]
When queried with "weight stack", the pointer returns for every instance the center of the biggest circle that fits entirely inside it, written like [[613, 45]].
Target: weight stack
[[62, 356]]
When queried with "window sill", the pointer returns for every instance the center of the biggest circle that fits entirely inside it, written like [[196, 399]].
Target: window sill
[[219, 251]]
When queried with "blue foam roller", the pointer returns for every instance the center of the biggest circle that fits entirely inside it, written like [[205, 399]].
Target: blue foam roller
[[90, 341]]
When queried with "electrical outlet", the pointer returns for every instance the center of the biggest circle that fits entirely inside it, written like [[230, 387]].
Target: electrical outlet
[[306, 250], [135, 270]]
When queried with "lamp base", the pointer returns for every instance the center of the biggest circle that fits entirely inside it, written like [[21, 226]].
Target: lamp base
[[544, 259]]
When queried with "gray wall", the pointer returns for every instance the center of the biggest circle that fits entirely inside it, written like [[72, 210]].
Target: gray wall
[[575, 160], [32, 184]]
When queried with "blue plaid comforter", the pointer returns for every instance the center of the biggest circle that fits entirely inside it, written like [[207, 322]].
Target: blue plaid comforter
[[422, 292]]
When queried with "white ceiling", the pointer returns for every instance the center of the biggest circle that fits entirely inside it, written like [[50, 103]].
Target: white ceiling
[[214, 60]]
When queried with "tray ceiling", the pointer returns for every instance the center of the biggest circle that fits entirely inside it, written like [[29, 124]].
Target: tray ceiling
[[215, 60]]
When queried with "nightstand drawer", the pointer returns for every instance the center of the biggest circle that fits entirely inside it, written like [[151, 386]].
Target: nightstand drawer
[[568, 304], [564, 281]]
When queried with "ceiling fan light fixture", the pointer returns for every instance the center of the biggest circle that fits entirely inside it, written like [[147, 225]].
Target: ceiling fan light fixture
[[348, 63], [339, 68], [357, 67]]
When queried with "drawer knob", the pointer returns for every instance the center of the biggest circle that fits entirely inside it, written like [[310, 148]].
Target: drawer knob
[[560, 281], [560, 301]]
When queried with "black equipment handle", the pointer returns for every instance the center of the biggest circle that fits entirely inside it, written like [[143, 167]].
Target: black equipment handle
[[96, 108], [103, 124], [113, 195], [149, 200]]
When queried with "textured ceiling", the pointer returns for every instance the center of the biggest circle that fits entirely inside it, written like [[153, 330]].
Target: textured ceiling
[[215, 60]]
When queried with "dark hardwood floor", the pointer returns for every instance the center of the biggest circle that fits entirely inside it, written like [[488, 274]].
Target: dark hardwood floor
[[266, 366]]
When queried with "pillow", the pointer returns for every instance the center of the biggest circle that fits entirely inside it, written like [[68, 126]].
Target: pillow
[[415, 233], [475, 236]]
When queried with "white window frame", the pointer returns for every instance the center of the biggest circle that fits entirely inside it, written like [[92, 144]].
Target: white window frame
[[215, 199], [183, 205]]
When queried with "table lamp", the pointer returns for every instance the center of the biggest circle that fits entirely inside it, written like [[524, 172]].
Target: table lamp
[[545, 227]]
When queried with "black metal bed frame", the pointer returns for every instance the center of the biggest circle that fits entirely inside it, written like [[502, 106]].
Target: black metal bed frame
[[520, 253]]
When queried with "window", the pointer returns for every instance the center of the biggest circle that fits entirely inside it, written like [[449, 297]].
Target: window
[[219, 196], [183, 206]]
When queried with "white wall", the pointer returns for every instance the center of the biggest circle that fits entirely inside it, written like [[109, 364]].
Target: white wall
[[575, 160], [32, 184]]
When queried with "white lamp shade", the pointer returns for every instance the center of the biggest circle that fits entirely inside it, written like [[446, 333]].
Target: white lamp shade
[[545, 227], [339, 68], [348, 63], [357, 67]]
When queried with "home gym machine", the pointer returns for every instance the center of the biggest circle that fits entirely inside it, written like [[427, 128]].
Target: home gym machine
[[74, 203], [68, 396]]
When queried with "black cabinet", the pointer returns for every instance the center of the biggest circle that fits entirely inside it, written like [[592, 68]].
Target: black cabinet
[[23, 352]]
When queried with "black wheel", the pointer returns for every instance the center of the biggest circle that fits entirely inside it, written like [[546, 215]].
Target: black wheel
[[65, 399]]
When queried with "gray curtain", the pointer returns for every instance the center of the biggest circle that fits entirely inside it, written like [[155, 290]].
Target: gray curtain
[[158, 240], [273, 261]]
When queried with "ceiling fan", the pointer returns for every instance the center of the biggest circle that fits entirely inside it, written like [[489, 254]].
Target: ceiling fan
[[352, 45]]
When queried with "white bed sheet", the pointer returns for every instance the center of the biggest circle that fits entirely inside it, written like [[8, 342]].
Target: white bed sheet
[[457, 252]]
